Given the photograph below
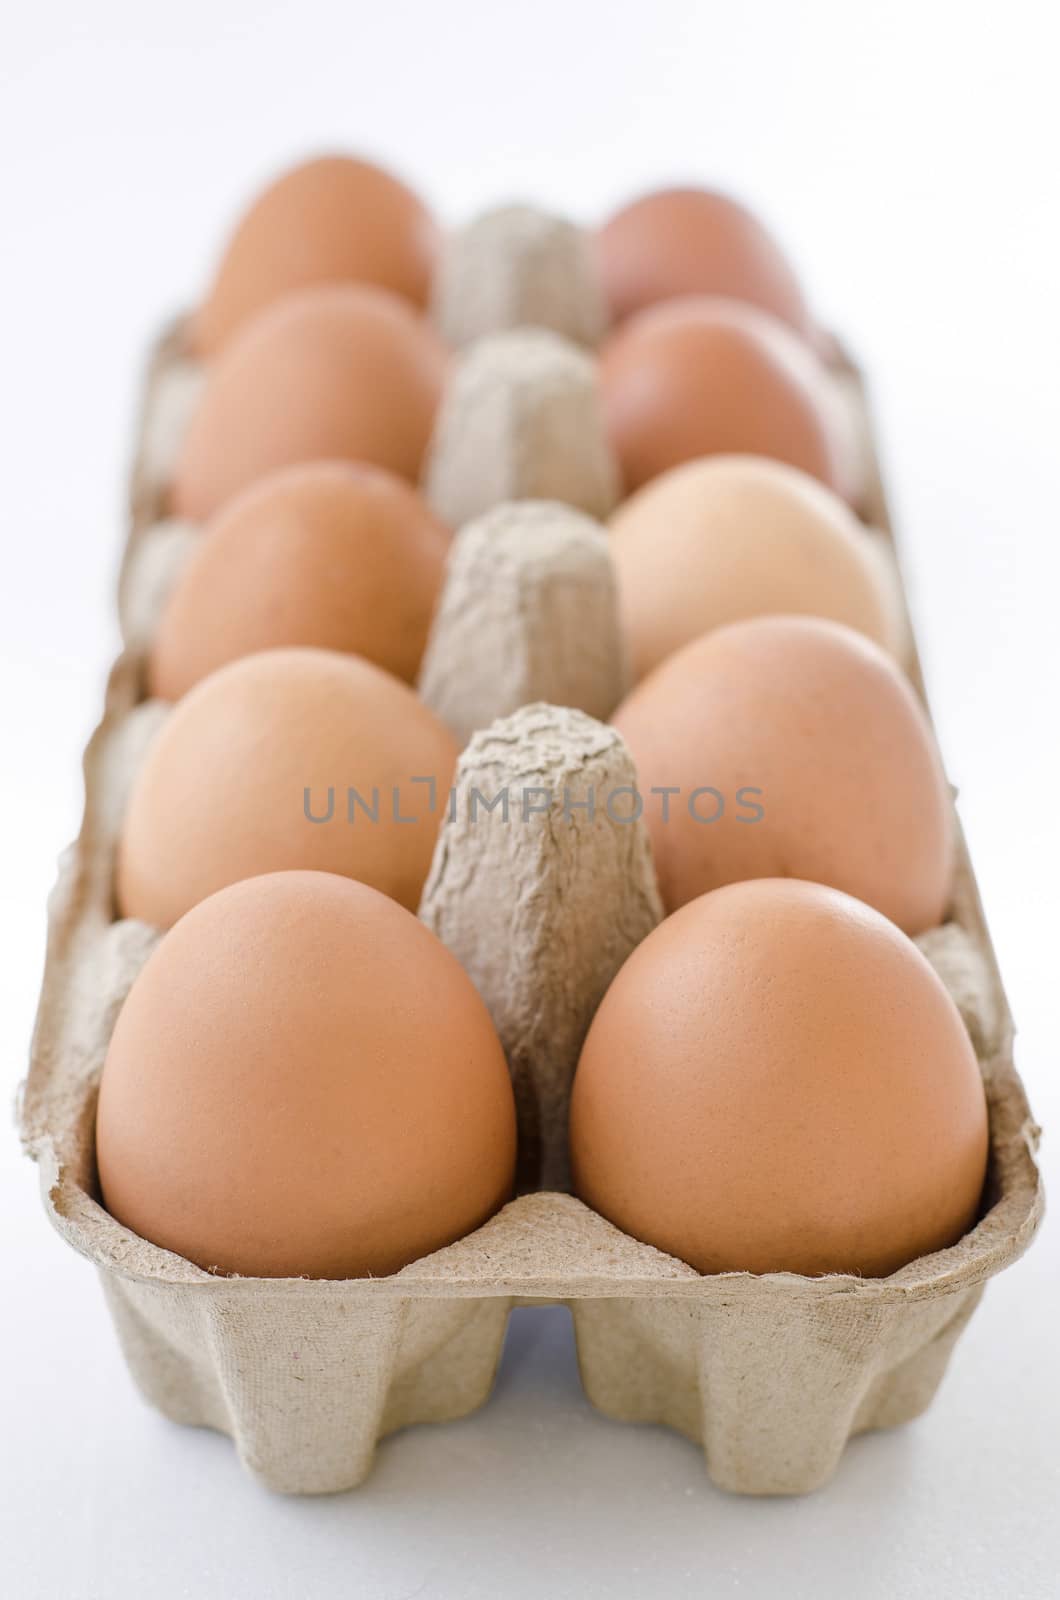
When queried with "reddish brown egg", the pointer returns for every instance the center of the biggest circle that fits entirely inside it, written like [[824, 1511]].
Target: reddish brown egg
[[303, 1082], [331, 220], [286, 759], [701, 377], [777, 1081], [792, 747], [689, 241], [336, 555], [350, 374]]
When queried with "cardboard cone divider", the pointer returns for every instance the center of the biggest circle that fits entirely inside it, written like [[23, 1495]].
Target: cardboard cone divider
[[771, 1374]]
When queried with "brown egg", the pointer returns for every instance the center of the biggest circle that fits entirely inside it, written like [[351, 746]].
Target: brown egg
[[777, 1081], [332, 220], [701, 377], [332, 554], [689, 241], [350, 374], [795, 748], [303, 1082], [728, 537], [287, 759]]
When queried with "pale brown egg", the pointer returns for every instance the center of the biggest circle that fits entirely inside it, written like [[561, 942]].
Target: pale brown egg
[[689, 241], [348, 373], [332, 554], [331, 220], [777, 1081], [286, 759], [793, 747], [728, 537], [703, 376], [304, 1082]]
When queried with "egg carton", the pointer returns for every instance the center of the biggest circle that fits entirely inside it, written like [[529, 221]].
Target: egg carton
[[772, 1374]]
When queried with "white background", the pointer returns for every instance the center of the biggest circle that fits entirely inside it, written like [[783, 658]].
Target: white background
[[907, 154]]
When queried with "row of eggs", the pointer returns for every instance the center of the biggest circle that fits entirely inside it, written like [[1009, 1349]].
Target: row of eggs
[[294, 634], [320, 297], [303, 1081]]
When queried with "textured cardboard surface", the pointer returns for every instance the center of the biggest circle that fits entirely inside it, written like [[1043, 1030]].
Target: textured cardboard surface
[[518, 267], [542, 902], [521, 419], [529, 611], [772, 1374]]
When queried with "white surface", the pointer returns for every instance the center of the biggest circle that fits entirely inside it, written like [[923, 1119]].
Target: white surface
[[906, 153]]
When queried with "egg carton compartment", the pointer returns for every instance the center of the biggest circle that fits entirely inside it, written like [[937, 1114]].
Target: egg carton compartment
[[771, 1374]]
